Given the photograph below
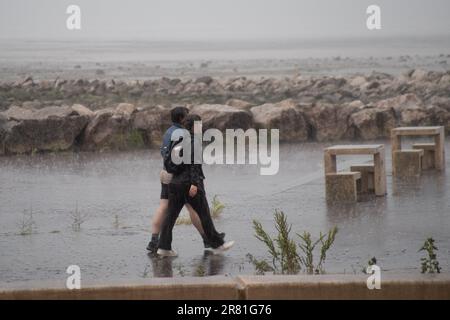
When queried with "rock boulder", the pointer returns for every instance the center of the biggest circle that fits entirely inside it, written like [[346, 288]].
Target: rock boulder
[[409, 109], [152, 122], [107, 131], [329, 122], [3, 122], [373, 122], [223, 117], [82, 110], [285, 116], [239, 104], [46, 129]]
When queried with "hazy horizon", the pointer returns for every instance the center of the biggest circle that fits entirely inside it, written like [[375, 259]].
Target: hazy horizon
[[250, 40], [232, 20]]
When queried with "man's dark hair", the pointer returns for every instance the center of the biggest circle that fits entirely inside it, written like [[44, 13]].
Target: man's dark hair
[[178, 114], [189, 121]]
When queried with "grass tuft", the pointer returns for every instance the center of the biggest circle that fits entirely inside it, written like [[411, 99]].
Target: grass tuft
[[27, 225], [285, 259], [430, 264]]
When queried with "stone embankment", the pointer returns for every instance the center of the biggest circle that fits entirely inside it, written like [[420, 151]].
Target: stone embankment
[[93, 115]]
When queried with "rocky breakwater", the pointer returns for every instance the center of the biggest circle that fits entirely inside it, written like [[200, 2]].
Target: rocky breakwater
[[96, 94], [324, 109], [28, 130]]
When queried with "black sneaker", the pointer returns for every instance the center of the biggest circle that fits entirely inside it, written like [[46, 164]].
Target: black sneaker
[[208, 245], [152, 246]]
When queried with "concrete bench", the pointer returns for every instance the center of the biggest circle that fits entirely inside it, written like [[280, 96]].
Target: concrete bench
[[374, 150], [428, 155], [408, 163], [366, 184], [342, 186], [436, 132]]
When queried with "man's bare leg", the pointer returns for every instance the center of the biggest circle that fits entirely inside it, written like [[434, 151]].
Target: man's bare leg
[[159, 215], [158, 219], [198, 224], [195, 219]]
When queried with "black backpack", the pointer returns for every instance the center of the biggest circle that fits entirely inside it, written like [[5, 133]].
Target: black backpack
[[169, 165]]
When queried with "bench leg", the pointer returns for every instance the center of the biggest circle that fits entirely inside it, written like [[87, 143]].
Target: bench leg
[[380, 174], [396, 145], [428, 160], [365, 184], [329, 163], [439, 154]]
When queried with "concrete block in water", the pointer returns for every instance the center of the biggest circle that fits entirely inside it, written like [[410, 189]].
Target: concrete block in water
[[341, 186], [407, 163]]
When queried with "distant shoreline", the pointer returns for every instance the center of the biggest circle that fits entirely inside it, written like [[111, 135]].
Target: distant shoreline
[[142, 60], [47, 68]]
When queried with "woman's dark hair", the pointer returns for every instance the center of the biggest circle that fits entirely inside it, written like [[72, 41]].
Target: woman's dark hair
[[189, 121], [178, 114]]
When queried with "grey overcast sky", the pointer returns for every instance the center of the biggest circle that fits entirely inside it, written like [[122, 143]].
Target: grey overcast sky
[[221, 19]]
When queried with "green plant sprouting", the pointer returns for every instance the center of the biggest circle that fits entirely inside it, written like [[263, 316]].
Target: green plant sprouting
[[27, 225], [116, 222], [372, 261], [200, 271], [77, 219], [283, 249], [430, 264], [216, 207], [216, 210]]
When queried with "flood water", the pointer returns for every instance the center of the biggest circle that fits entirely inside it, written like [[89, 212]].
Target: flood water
[[117, 193]]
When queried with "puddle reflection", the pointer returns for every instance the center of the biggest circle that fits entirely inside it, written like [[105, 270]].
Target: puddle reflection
[[208, 264]]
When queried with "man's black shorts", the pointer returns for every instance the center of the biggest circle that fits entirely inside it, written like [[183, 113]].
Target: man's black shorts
[[164, 191]]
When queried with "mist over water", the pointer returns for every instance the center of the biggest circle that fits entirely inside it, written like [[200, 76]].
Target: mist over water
[[140, 60], [140, 50]]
